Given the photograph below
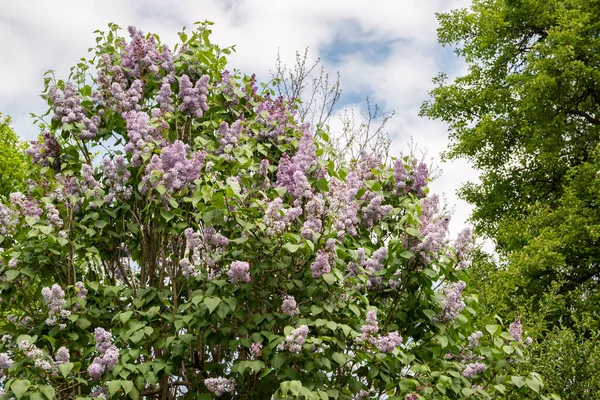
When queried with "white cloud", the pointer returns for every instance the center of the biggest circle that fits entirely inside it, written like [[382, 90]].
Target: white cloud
[[39, 35]]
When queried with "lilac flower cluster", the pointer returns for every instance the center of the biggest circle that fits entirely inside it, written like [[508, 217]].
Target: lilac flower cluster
[[289, 307], [164, 98], [27, 206], [462, 246], [374, 211], [342, 206], [452, 302], [516, 330], [109, 74], [473, 369], [116, 176], [45, 152], [433, 230], [411, 396], [8, 219], [5, 363], [228, 136], [122, 100], [68, 110], [53, 216], [293, 178], [172, 168], [81, 290], [109, 354], [55, 299], [294, 341], [363, 394], [275, 118], [473, 339], [199, 247], [228, 87], [239, 271], [384, 344], [90, 184], [320, 266], [141, 54], [140, 135], [34, 353], [218, 386], [276, 219], [62, 356], [413, 180], [193, 97], [255, 349]]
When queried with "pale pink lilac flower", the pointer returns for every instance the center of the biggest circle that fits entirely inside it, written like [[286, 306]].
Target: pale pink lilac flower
[[255, 349], [474, 339], [289, 307], [239, 272], [193, 97], [452, 302], [219, 386], [473, 369], [294, 341]]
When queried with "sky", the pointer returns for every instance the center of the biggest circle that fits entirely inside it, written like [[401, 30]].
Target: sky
[[384, 49]]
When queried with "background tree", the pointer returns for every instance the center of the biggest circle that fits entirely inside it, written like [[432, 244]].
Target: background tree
[[215, 250], [526, 116], [13, 161]]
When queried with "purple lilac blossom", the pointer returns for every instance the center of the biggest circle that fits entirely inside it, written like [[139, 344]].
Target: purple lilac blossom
[[218, 386], [27, 206], [462, 246], [116, 177], [228, 136], [369, 330], [239, 272], [374, 211], [473, 369], [164, 98], [141, 54], [275, 118], [320, 266], [452, 302], [516, 330], [389, 342], [46, 152], [255, 349], [414, 180], [193, 97], [109, 354], [306, 156]]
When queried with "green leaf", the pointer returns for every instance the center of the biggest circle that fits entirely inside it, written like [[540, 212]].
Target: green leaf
[[316, 310], [292, 248], [48, 391], [517, 381], [127, 386], [19, 387], [354, 309], [412, 231], [65, 369], [100, 223], [167, 215], [124, 316], [533, 384], [83, 323], [113, 387], [329, 278], [161, 189], [339, 358], [212, 303], [492, 329]]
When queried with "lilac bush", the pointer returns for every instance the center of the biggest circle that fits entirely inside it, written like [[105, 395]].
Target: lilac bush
[[186, 236]]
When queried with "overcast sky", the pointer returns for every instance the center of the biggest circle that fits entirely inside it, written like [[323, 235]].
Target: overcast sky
[[384, 49]]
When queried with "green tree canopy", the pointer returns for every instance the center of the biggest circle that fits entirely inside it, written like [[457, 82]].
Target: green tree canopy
[[13, 161], [526, 116]]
